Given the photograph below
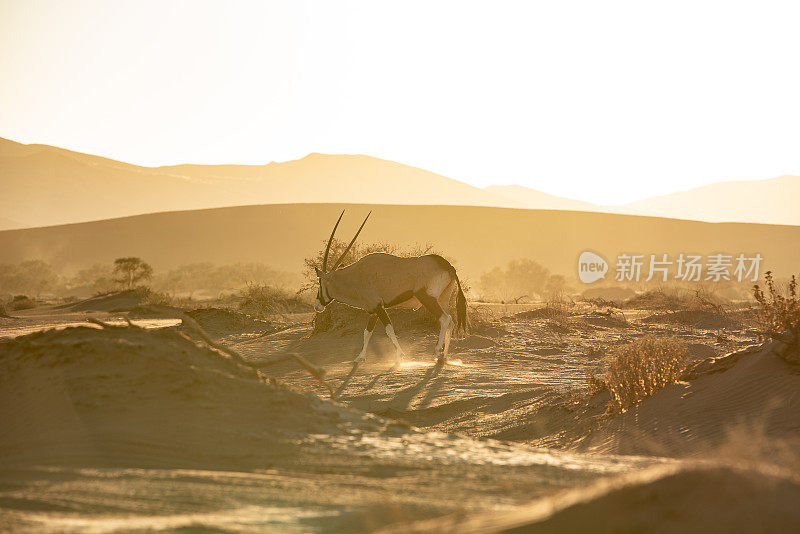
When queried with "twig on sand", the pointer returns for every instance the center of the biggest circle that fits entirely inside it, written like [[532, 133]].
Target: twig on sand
[[313, 370], [192, 325], [102, 324]]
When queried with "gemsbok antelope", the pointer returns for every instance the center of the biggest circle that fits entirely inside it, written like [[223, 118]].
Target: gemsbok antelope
[[379, 281]]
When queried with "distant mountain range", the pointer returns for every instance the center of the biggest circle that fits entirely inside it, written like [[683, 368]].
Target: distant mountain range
[[42, 185]]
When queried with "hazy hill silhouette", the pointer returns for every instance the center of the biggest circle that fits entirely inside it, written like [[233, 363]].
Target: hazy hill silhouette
[[773, 201], [43, 185], [477, 238], [531, 198]]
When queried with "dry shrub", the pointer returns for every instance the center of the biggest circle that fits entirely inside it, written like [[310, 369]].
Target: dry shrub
[[779, 314], [263, 300], [635, 371], [708, 300], [22, 302], [558, 308], [600, 302], [656, 299], [159, 298], [676, 299]]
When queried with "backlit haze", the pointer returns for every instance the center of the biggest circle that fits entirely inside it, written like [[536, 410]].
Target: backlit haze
[[604, 102]]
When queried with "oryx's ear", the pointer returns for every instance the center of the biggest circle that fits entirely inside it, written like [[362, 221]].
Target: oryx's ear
[[319, 272]]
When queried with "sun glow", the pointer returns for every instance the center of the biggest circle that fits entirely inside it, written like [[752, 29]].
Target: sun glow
[[605, 102]]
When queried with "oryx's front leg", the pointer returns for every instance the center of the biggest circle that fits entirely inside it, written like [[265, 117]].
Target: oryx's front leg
[[367, 334], [387, 323]]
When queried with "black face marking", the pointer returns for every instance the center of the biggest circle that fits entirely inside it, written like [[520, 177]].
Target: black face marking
[[320, 298]]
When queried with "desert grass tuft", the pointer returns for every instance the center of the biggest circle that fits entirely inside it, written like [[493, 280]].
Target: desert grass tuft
[[22, 302], [262, 300], [635, 371], [779, 314]]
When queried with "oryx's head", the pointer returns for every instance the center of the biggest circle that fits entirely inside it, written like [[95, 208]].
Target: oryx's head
[[324, 275]]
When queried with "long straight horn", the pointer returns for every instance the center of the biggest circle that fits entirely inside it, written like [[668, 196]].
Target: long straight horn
[[328, 246], [335, 265]]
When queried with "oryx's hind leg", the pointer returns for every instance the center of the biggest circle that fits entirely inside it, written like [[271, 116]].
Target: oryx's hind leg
[[443, 317], [444, 302], [367, 334], [387, 324]]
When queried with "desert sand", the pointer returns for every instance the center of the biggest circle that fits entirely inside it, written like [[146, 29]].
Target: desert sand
[[146, 427]]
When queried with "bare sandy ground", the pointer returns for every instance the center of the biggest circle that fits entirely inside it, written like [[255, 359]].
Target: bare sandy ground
[[127, 428]]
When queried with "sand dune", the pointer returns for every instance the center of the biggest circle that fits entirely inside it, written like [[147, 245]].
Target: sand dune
[[740, 404], [128, 429], [476, 238], [772, 201], [130, 397], [534, 199], [684, 499], [43, 185]]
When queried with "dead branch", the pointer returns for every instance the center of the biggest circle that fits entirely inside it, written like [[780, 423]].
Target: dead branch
[[190, 324]]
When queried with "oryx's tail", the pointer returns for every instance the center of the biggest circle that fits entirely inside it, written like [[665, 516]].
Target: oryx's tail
[[461, 308]]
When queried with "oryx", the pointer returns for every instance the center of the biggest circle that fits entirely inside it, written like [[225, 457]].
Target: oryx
[[379, 281]]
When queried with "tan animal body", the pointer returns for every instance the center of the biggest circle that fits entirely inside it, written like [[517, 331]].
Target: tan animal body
[[380, 281]]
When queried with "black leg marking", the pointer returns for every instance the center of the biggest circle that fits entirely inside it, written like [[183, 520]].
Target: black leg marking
[[430, 303], [371, 322], [383, 316]]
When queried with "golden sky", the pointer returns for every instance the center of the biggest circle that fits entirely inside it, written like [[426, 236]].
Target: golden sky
[[601, 101]]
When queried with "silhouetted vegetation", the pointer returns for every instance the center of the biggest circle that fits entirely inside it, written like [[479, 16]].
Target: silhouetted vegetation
[[262, 300], [635, 371], [22, 302], [97, 279], [676, 299], [191, 278], [130, 271], [779, 313], [519, 280], [31, 277]]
